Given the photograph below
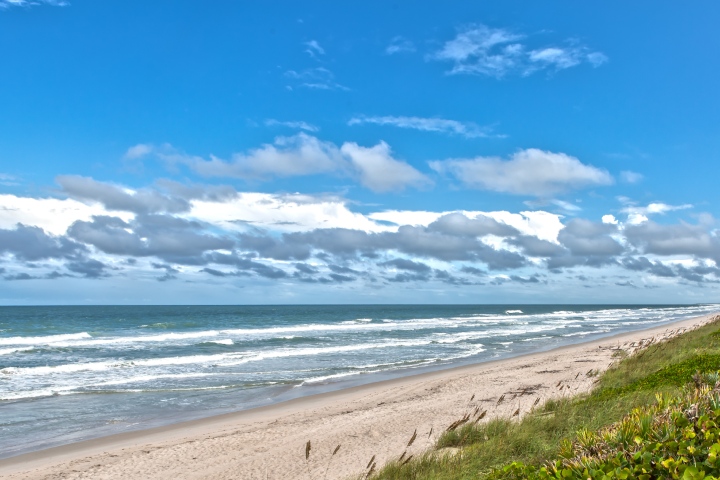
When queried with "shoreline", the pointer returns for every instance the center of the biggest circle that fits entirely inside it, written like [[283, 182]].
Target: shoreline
[[370, 419]]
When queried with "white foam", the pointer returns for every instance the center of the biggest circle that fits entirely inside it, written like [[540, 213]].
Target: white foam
[[49, 339], [8, 351], [163, 337], [226, 359]]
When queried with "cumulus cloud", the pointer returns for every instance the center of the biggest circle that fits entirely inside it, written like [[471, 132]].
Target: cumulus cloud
[[460, 225], [439, 125], [496, 52], [114, 197], [32, 243], [536, 247], [527, 172], [678, 239], [585, 238], [88, 268], [412, 241], [51, 214], [379, 171], [281, 212], [405, 264], [163, 236], [289, 156], [303, 154], [225, 233]]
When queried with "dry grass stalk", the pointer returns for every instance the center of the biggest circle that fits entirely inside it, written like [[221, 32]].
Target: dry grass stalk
[[412, 439], [308, 447], [502, 397], [372, 460], [407, 460], [372, 470], [327, 469], [517, 412], [457, 423], [402, 456]]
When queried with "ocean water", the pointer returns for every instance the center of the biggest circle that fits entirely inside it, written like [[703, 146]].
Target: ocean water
[[73, 373]]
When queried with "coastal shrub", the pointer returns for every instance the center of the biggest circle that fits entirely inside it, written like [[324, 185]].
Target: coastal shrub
[[676, 437]]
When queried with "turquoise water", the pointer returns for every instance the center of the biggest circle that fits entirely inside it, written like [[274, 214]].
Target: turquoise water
[[73, 373]]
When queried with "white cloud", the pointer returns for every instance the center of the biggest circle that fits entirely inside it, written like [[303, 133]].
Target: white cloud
[[283, 213], [400, 44], [597, 58], [636, 219], [567, 206], [51, 214], [609, 219], [527, 172], [8, 180], [654, 209], [560, 58], [630, 177], [299, 125], [379, 171], [31, 3], [319, 78], [303, 154], [496, 52], [638, 215], [440, 125], [541, 224], [314, 48], [139, 151], [475, 42], [288, 156]]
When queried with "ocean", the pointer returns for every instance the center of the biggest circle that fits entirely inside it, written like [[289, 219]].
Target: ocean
[[73, 373]]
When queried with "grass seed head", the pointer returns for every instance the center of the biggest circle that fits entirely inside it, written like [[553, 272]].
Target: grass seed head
[[412, 439]]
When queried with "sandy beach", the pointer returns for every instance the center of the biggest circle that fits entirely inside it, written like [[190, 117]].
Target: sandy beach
[[371, 420]]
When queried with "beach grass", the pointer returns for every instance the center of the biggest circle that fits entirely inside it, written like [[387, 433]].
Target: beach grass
[[512, 448]]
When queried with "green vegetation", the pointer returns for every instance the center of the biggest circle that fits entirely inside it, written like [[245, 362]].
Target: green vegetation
[[650, 416]]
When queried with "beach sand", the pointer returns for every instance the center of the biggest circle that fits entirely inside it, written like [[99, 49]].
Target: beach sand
[[376, 419]]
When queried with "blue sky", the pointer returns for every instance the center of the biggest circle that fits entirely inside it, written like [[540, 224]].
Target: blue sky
[[286, 152]]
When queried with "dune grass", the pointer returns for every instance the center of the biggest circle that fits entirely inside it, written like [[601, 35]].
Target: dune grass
[[511, 448]]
